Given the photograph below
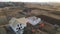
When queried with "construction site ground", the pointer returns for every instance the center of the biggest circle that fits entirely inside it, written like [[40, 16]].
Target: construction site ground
[[48, 13]]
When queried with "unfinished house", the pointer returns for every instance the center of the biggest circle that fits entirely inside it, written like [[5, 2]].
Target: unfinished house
[[18, 24]]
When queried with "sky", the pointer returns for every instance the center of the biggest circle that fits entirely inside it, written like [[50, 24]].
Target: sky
[[30, 1]]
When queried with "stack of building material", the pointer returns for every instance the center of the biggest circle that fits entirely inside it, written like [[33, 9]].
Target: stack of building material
[[33, 20]]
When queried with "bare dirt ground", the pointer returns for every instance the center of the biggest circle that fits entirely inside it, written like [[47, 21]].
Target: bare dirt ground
[[43, 9]]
